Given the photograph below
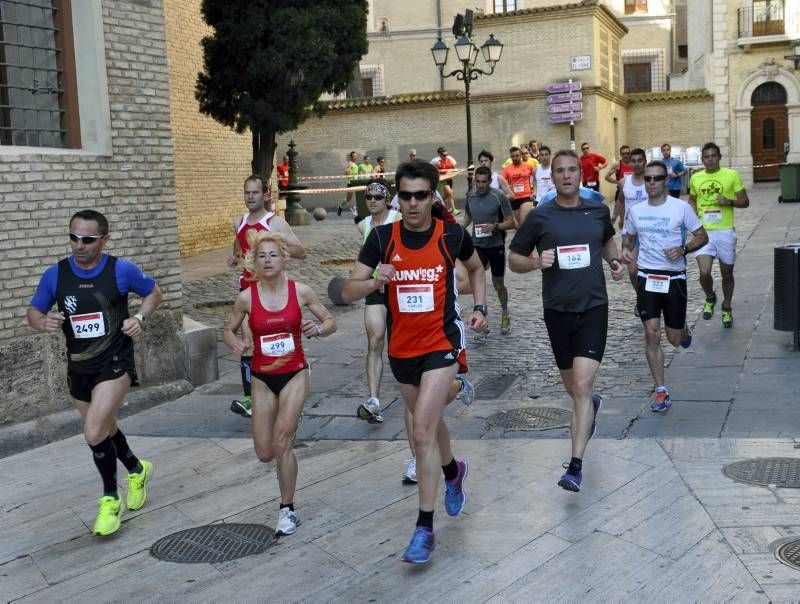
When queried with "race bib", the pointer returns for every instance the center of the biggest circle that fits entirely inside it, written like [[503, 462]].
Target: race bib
[[90, 325], [415, 298], [712, 216], [573, 256], [483, 230], [277, 345], [519, 188], [658, 284]]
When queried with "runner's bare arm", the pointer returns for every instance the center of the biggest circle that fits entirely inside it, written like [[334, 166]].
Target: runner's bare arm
[[312, 329], [517, 263], [611, 176], [742, 200], [240, 308], [611, 255], [49, 322], [477, 282], [361, 282], [131, 326], [233, 259], [296, 249], [501, 180]]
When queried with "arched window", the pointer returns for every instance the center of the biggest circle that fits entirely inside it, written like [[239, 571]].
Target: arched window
[[769, 93]]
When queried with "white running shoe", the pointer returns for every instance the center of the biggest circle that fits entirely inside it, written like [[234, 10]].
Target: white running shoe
[[287, 522], [467, 391], [370, 411], [410, 474]]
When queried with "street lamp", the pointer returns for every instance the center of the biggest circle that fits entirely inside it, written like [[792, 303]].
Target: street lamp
[[467, 54]]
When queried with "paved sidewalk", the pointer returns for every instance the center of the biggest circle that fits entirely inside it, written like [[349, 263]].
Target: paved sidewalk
[[656, 520]]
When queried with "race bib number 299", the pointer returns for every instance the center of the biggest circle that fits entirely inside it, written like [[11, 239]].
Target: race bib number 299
[[90, 325]]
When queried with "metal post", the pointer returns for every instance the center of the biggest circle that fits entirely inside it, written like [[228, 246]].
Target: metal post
[[295, 213], [467, 78], [571, 124]]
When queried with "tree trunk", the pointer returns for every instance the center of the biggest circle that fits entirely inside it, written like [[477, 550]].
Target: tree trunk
[[263, 153]]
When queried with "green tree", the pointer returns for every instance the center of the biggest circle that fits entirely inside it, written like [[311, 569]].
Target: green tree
[[266, 63]]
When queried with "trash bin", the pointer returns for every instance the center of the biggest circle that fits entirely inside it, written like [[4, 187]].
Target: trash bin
[[787, 290], [790, 183]]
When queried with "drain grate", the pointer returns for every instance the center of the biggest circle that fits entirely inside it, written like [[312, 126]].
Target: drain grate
[[788, 552], [766, 471], [214, 543], [495, 386], [531, 418]]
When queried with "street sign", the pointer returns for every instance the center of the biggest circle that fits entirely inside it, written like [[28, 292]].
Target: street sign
[[564, 87], [560, 118], [564, 107], [564, 98], [581, 63]]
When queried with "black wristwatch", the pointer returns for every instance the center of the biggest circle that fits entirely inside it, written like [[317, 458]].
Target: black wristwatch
[[481, 308], [685, 250]]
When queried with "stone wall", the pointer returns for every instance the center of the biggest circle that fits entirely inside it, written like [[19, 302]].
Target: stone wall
[[681, 118], [211, 161], [134, 186]]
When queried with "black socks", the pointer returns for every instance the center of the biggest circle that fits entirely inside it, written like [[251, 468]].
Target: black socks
[[425, 519], [287, 505], [105, 458], [575, 465], [244, 365], [450, 470], [124, 453]]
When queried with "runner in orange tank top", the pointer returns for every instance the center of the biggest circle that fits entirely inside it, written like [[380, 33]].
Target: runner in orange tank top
[[415, 263], [273, 306]]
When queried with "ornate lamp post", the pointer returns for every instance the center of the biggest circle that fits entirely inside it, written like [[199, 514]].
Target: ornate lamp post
[[296, 214], [467, 54]]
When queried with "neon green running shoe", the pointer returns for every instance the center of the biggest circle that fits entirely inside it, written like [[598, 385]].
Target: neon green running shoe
[[727, 318], [109, 516], [243, 406], [505, 324], [137, 485], [708, 307]]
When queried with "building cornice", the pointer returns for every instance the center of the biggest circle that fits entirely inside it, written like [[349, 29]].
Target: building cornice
[[558, 11]]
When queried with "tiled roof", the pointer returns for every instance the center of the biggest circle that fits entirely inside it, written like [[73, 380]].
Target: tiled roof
[[669, 95], [393, 101], [541, 9]]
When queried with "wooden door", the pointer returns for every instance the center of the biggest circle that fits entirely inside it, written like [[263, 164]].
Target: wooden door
[[769, 131]]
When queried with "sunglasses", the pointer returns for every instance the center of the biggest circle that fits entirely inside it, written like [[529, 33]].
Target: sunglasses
[[369, 197], [84, 239], [658, 178], [584, 148], [418, 195]]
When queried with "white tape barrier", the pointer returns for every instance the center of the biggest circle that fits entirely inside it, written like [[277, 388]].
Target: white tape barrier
[[449, 176]]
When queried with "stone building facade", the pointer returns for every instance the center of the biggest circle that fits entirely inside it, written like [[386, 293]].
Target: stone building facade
[[123, 166]]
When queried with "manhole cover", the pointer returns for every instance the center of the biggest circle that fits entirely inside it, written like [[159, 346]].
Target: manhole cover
[[788, 552], [495, 386], [766, 471], [214, 543], [531, 418]]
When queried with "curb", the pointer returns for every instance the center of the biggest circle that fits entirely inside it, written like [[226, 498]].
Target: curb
[[63, 424]]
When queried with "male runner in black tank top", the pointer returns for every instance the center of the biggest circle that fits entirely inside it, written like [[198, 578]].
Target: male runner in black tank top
[[91, 291]]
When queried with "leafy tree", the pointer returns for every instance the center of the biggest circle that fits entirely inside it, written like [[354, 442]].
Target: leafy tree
[[267, 62]]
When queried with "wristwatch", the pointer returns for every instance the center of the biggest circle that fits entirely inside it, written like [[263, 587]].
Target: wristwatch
[[139, 317], [481, 308], [685, 250]]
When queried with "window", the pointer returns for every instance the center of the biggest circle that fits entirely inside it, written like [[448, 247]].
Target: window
[[767, 17], [505, 6], [637, 77], [38, 87], [683, 51], [768, 136], [635, 6], [366, 87], [768, 93]]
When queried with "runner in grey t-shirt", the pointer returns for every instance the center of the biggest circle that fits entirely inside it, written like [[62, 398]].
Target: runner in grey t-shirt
[[572, 238], [484, 206]]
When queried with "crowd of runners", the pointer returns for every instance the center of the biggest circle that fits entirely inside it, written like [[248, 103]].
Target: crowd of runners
[[414, 262]]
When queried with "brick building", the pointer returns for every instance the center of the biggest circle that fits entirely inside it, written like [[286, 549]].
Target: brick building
[[85, 123]]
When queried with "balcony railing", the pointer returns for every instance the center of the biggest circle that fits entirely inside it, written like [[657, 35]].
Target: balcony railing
[[765, 18]]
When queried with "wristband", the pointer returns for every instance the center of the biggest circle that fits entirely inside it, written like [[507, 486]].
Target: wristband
[[319, 329], [139, 317]]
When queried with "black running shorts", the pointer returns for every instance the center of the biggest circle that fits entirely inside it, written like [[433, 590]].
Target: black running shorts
[[494, 257], [81, 385], [577, 334], [672, 304]]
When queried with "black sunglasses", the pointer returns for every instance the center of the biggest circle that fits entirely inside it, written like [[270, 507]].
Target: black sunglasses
[[418, 195], [369, 197], [658, 178], [85, 239]]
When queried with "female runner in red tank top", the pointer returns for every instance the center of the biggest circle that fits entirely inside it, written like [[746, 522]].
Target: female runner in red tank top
[[273, 305]]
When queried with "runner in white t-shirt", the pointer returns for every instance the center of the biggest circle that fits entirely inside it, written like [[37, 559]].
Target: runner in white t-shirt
[[633, 192], [543, 174], [660, 226]]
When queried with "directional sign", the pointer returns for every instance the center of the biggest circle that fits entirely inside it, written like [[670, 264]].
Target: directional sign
[[564, 87], [565, 107], [560, 118], [564, 98]]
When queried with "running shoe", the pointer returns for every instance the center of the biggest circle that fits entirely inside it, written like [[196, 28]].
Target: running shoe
[[661, 402], [339, 208], [109, 515], [421, 547], [243, 406], [597, 402], [727, 318], [370, 411], [137, 485], [410, 473], [571, 479], [287, 522], [505, 324], [708, 307], [454, 495], [481, 338], [687, 341], [456, 212], [467, 390]]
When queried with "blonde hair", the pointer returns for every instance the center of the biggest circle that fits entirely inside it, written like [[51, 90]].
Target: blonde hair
[[255, 239]]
